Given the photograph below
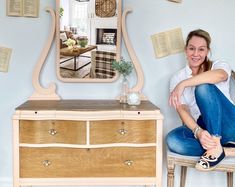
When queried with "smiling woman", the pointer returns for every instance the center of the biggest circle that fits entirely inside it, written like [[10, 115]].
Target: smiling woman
[[83, 21], [200, 95]]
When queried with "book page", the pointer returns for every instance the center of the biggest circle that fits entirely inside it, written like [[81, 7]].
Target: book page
[[30, 8], [14, 7], [167, 43], [176, 42], [5, 54], [160, 44], [175, 1]]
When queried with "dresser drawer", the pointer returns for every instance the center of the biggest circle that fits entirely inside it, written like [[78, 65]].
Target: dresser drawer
[[122, 131], [49, 131], [100, 162]]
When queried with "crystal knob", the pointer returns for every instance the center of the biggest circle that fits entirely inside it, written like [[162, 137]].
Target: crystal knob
[[122, 131], [46, 163], [52, 132], [128, 162]]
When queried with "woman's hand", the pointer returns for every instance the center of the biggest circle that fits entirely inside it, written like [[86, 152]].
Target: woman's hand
[[206, 139], [174, 99]]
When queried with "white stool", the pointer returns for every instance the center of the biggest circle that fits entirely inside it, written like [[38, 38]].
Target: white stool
[[173, 159]]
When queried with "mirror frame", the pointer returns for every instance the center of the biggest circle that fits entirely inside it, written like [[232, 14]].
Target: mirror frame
[[118, 48]]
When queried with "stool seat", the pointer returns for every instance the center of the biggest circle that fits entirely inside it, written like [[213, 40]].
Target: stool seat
[[227, 165]]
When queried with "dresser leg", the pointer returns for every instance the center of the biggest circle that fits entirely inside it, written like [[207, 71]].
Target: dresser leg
[[16, 184]]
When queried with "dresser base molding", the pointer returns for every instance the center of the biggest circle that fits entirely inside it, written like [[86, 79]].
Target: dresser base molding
[[88, 181]]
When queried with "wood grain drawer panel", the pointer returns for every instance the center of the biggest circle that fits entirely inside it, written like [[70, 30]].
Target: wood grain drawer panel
[[122, 131], [49, 131], [101, 162]]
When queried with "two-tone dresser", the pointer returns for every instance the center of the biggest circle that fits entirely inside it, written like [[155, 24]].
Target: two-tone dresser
[[87, 142]]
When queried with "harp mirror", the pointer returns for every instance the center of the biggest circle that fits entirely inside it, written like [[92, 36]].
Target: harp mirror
[[88, 35]]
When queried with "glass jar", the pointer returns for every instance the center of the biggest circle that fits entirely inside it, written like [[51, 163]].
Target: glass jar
[[124, 90]]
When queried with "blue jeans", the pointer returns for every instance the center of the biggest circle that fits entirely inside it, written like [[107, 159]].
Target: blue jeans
[[217, 117]]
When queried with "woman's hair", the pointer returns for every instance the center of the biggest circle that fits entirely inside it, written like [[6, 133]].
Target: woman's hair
[[206, 65], [233, 74]]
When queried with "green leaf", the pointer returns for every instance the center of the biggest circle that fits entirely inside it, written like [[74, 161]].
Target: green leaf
[[122, 66]]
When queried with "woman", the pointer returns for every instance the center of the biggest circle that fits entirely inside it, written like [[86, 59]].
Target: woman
[[200, 94]]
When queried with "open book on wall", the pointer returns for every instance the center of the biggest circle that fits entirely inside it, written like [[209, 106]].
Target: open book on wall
[[26, 8], [175, 1], [5, 54], [168, 42]]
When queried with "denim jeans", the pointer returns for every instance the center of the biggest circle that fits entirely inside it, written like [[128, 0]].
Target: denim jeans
[[217, 117]]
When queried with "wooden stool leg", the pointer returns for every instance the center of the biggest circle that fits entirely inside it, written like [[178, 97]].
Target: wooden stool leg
[[170, 172], [229, 179], [183, 176]]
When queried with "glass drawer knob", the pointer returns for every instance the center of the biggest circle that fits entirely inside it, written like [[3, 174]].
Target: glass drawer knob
[[46, 163], [128, 162], [122, 131], [52, 132]]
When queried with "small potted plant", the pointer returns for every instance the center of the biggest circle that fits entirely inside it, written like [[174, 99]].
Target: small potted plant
[[82, 41], [124, 68]]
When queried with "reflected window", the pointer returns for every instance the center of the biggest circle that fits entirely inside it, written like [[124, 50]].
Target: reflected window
[[79, 17]]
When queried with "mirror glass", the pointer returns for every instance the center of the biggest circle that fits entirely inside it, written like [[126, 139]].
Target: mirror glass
[[88, 35]]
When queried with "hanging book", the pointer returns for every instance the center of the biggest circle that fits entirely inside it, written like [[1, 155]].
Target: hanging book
[[5, 54], [26, 8], [175, 1], [167, 43]]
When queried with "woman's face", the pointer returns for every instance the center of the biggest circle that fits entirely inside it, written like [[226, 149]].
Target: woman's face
[[196, 51]]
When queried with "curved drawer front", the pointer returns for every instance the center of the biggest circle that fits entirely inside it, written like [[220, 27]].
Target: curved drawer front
[[122, 131], [49, 131], [102, 162]]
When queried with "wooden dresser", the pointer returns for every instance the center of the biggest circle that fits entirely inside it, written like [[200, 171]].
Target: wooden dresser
[[87, 142]]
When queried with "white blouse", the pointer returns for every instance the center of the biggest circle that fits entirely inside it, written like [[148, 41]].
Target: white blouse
[[188, 97]]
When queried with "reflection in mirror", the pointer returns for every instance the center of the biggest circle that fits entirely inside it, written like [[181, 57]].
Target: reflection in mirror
[[88, 39]]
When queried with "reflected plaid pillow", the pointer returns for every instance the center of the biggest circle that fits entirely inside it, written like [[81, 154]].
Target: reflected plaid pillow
[[103, 68]]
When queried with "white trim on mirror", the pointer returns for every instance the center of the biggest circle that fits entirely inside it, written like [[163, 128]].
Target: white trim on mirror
[[42, 93], [49, 93], [140, 75]]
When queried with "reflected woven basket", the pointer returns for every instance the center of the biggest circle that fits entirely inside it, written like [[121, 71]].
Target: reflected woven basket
[[105, 8]]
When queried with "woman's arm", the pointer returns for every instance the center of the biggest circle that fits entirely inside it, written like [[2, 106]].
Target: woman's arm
[[204, 136], [211, 77], [186, 117]]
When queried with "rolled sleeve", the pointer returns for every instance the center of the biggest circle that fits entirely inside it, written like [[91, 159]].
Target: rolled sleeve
[[222, 65]]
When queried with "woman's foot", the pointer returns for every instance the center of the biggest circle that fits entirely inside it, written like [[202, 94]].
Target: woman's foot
[[211, 158]]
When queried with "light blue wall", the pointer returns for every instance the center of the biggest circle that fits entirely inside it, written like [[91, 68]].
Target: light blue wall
[[26, 36]]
